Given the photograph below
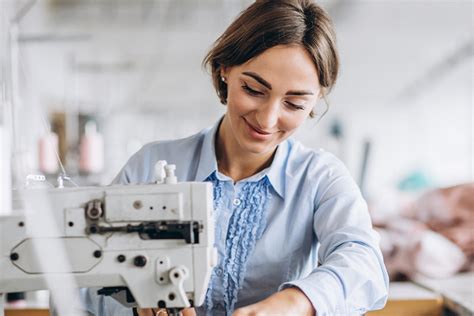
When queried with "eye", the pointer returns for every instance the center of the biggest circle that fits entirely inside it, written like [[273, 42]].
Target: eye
[[251, 91], [294, 106]]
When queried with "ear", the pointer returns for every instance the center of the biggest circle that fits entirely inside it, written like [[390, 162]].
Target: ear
[[224, 71], [321, 93]]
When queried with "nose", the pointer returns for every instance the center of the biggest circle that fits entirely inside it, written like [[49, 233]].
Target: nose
[[267, 115]]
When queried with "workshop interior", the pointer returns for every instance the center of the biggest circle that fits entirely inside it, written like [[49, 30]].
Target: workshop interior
[[84, 84]]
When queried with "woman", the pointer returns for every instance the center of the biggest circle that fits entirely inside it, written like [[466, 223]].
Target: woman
[[280, 207]]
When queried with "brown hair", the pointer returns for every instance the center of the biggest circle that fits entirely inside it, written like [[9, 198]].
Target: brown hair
[[268, 23]]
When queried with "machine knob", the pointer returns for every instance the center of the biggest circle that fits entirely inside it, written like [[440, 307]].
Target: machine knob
[[139, 261], [170, 176]]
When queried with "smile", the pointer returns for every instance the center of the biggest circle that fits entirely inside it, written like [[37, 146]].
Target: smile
[[256, 133]]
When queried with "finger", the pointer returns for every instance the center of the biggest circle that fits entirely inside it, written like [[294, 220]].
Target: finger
[[246, 311], [188, 312], [145, 312]]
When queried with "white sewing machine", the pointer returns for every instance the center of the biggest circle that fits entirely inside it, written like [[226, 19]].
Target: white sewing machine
[[146, 245]]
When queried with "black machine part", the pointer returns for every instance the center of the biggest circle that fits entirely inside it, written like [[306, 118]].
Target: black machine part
[[107, 291], [189, 231]]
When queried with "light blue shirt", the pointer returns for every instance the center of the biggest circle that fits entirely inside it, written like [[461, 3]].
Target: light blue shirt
[[302, 222]]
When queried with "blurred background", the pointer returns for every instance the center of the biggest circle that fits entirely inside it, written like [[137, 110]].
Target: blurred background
[[93, 81], [131, 72]]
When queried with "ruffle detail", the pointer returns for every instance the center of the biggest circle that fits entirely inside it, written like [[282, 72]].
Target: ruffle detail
[[217, 188], [246, 226]]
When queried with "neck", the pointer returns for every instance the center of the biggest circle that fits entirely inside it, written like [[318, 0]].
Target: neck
[[235, 162]]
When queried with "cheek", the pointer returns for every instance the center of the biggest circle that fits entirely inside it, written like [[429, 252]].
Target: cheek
[[239, 102], [292, 120]]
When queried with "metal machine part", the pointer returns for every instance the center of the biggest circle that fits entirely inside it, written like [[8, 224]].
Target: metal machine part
[[145, 245], [94, 210], [188, 231]]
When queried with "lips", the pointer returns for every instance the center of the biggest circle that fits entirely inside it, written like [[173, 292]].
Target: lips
[[258, 130], [257, 133]]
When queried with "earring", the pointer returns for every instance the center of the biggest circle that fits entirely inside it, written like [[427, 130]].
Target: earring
[[223, 79]]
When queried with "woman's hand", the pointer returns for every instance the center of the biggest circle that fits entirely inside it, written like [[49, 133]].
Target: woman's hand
[[290, 301], [151, 312], [145, 312], [162, 312]]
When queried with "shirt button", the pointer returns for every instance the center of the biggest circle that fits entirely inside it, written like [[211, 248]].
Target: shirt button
[[236, 202], [218, 271]]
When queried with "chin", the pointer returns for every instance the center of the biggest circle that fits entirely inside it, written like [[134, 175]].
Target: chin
[[257, 149]]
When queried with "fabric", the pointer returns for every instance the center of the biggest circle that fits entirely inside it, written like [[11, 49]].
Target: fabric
[[302, 222]]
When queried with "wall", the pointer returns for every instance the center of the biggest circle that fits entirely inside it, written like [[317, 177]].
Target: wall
[[393, 88]]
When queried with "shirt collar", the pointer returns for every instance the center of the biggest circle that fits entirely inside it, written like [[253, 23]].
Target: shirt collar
[[208, 164], [276, 172]]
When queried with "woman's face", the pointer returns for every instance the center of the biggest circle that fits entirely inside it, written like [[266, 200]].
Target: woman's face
[[269, 97]]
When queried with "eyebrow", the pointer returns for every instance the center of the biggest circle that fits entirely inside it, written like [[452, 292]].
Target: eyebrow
[[269, 86]]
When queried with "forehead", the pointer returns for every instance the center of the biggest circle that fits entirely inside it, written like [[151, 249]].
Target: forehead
[[284, 65]]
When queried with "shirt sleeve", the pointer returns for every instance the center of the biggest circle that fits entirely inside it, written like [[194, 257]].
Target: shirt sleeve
[[351, 278], [137, 169]]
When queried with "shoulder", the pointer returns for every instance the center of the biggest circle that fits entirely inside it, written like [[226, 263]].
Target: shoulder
[[170, 148], [140, 167], [322, 171], [316, 161]]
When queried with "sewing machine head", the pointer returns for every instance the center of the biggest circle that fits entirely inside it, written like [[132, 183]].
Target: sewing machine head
[[146, 245]]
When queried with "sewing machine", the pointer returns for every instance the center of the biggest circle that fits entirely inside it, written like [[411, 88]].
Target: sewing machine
[[145, 245]]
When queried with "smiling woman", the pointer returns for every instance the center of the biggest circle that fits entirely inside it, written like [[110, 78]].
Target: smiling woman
[[267, 100], [293, 233]]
